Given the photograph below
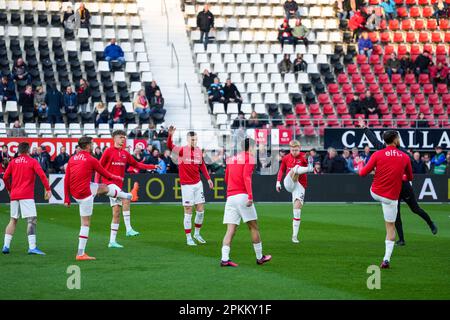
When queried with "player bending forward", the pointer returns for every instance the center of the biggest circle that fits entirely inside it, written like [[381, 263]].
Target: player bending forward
[[390, 165], [190, 163], [115, 160], [22, 171], [239, 205], [77, 183], [295, 182]]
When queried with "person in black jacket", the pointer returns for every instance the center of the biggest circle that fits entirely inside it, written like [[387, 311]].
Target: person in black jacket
[[421, 121], [54, 101], [208, 78], [407, 193], [239, 122], [422, 63], [334, 163], [355, 106], [83, 95], [205, 22], [150, 90], [418, 166], [231, 94], [43, 158], [369, 105], [26, 100], [61, 160], [118, 114], [406, 64]]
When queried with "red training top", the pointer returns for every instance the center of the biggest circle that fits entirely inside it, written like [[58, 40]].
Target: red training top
[[288, 162], [238, 174]]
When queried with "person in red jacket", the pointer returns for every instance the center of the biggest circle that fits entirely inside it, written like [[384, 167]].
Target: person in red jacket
[[19, 180], [295, 165], [190, 163], [391, 167], [77, 183], [239, 205], [356, 24]]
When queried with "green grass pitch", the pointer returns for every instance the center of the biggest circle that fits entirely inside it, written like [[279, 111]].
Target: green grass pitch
[[338, 243]]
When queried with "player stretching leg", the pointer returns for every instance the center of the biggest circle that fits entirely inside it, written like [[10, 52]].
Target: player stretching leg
[[239, 205], [115, 160], [391, 165], [295, 182], [19, 181], [190, 163], [77, 183]]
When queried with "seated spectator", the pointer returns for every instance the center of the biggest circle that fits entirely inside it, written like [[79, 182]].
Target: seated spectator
[[355, 107], [393, 66], [98, 153], [157, 106], [16, 130], [231, 94], [334, 163], [389, 9], [300, 33], [7, 90], [153, 158], [20, 71], [285, 33], [365, 155], [208, 78], [171, 167], [61, 160], [152, 135], [356, 24], [317, 168], [150, 90], [291, 9], [418, 166], [372, 21], [422, 63], [316, 157], [42, 113], [26, 100], [447, 170], [440, 10], [114, 52], [439, 74], [162, 164], [70, 101], [439, 161], [348, 159], [253, 121], [39, 96], [69, 22], [406, 64], [300, 65], [239, 122], [83, 95], [421, 121], [427, 161], [369, 105], [137, 155], [54, 102], [215, 93], [83, 17], [118, 114], [365, 45], [101, 114], [286, 65], [140, 104]]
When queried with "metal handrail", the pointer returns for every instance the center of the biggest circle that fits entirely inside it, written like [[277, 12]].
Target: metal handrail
[[166, 13], [188, 95], [174, 51]]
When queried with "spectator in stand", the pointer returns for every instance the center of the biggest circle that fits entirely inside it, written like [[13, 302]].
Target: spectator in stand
[[439, 161], [114, 52], [316, 157], [300, 33], [421, 121], [447, 170], [7, 90], [69, 22], [137, 155], [344, 9], [253, 121], [61, 160], [42, 113], [83, 95], [39, 96], [83, 18], [418, 166], [389, 10], [406, 64], [98, 153], [239, 122], [291, 9], [334, 163], [356, 24], [20, 71], [26, 100], [355, 106], [16, 130], [140, 104], [118, 114], [147, 152], [365, 45], [150, 90], [286, 65], [101, 114], [4, 157], [152, 135], [393, 66], [372, 21], [317, 168], [170, 166], [369, 105], [439, 74], [440, 9], [54, 101], [231, 95], [208, 78], [153, 158], [285, 33], [365, 155], [70, 101], [422, 63], [215, 93], [161, 163], [427, 161], [358, 163], [157, 106], [205, 22], [43, 158], [300, 65], [348, 159]]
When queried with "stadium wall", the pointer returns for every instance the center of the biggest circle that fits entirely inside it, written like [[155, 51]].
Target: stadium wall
[[322, 188]]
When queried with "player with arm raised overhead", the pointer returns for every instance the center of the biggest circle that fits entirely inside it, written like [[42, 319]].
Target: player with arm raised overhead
[[115, 160], [190, 163], [77, 183], [390, 165], [406, 194], [19, 180], [295, 166], [239, 205]]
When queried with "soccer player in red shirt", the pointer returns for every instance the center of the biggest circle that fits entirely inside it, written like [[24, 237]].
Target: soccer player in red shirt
[[239, 205], [190, 163], [295, 166], [390, 166], [19, 181], [115, 159], [77, 183]]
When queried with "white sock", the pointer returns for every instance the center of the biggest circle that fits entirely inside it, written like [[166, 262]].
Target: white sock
[[225, 253], [8, 239], [188, 225], [389, 249], [114, 229], [198, 221], [82, 239], [296, 222], [301, 170], [115, 192], [127, 220], [258, 250], [32, 241]]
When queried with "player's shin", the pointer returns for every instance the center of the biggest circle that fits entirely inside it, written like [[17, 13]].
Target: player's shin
[[115, 192], [187, 222], [296, 223], [258, 250], [82, 239], [301, 170], [198, 221], [31, 232], [225, 253], [127, 220], [7, 242], [390, 241], [114, 230]]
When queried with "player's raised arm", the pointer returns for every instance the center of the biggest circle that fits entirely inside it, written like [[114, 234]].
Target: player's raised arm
[[41, 174], [67, 186], [133, 163], [368, 168], [170, 145]]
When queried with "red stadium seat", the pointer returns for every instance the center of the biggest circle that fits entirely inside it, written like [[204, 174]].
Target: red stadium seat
[[388, 49], [341, 109], [443, 24], [442, 88], [415, 50], [423, 2], [374, 59], [428, 47], [428, 88], [392, 99], [398, 37], [411, 37], [333, 88], [410, 109], [387, 88], [436, 37], [321, 130], [438, 109], [342, 78], [373, 36], [431, 121], [327, 109], [387, 121], [347, 88], [447, 37], [441, 59], [411, 2], [361, 59], [379, 98], [305, 120], [424, 78], [374, 88], [424, 108], [374, 120], [405, 98], [410, 78], [365, 68], [323, 98], [356, 78], [446, 100], [384, 109], [377, 49], [397, 78], [374, 2], [402, 121], [419, 25], [398, 2], [396, 109], [402, 12], [346, 120], [349, 98], [383, 78], [300, 109], [291, 120], [360, 88], [309, 131], [424, 37], [393, 25], [378, 69], [352, 68], [385, 37], [406, 25], [318, 120], [427, 12], [441, 50], [443, 121], [370, 78], [402, 50], [337, 99], [401, 88], [431, 24], [419, 99], [415, 88], [314, 109], [412, 120], [414, 12]]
